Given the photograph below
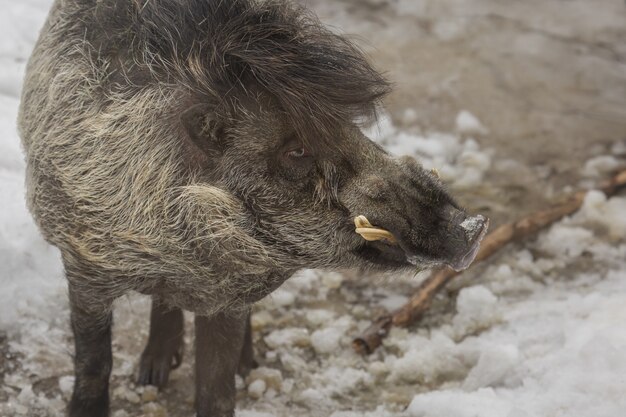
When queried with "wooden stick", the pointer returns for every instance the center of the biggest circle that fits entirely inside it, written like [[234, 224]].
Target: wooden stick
[[413, 310]]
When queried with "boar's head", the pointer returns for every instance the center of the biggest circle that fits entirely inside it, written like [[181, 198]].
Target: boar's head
[[279, 133], [301, 194]]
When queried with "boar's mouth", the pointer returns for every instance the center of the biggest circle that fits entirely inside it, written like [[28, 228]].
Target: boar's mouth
[[382, 254], [462, 238]]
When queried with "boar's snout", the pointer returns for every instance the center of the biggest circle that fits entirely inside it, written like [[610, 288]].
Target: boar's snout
[[453, 239], [411, 203], [461, 237]]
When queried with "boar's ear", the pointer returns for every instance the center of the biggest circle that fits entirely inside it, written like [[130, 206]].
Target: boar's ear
[[203, 126]]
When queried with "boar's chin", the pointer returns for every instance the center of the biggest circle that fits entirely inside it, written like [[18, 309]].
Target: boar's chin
[[383, 255]]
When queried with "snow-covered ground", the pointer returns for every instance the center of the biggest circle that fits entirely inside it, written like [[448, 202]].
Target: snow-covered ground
[[540, 330]]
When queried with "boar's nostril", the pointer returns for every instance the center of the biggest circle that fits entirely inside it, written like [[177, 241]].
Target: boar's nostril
[[473, 227]]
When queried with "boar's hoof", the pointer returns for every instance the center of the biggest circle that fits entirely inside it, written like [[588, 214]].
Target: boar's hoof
[[156, 364], [369, 232]]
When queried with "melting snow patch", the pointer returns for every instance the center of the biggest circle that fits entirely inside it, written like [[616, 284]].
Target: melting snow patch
[[467, 123], [566, 240], [477, 310], [326, 340], [429, 360], [483, 403], [288, 337], [609, 214], [459, 162], [600, 166], [493, 365]]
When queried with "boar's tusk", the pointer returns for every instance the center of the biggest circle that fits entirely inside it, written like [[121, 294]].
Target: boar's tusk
[[435, 172], [371, 233]]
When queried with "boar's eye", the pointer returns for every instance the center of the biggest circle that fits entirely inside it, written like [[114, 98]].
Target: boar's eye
[[300, 152], [296, 160]]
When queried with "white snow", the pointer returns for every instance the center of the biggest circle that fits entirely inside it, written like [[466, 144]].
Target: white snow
[[272, 377], [326, 340], [607, 214], [251, 413], [428, 360], [566, 240], [332, 280], [460, 162], [288, 337], [318, 317], [477, 309], [282, 297], [540, 332], [393, 301], [493, 364], [257, 388], [467, 123], [455, 403], [600, 166]]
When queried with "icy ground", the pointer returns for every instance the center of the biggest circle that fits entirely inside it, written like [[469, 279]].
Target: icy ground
[[540, 330]]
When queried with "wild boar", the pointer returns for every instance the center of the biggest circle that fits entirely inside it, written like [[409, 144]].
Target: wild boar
[[202, 152]]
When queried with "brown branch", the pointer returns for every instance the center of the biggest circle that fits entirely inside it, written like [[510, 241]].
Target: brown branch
[[413, 310]]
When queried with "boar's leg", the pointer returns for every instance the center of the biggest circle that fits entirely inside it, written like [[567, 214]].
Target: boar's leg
[[164, 350], [247, 362], [91, 324], [219, 340]]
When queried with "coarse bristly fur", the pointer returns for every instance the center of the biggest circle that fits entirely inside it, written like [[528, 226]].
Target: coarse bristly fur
[[115, 73], [202, 151], [220, 48]]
